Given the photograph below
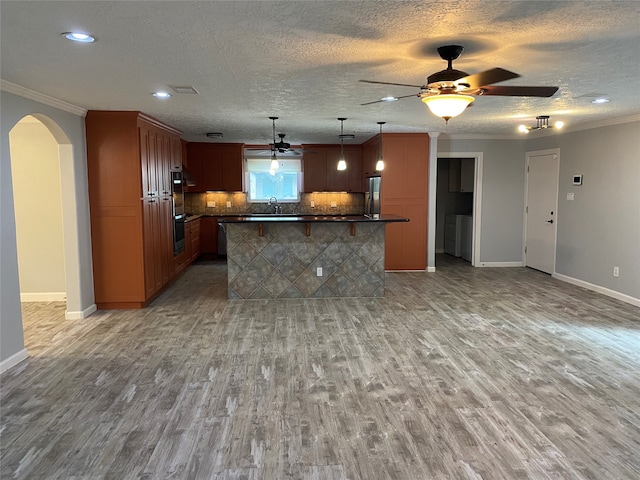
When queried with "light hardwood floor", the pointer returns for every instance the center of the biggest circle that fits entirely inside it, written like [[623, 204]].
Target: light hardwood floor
[[460, 374]]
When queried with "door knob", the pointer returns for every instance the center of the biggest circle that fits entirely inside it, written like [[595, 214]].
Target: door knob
[[550, 221]]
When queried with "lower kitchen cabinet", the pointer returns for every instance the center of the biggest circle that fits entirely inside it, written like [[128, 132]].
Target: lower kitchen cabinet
[[209, 236], [195, 239]]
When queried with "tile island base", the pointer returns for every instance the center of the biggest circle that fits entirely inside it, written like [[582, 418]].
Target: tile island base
[[306, 257]]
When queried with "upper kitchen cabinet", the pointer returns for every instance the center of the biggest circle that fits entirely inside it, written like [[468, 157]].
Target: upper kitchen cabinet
[[461, 174], [320, 169], [130, 157], [215, 166], [370, 156]]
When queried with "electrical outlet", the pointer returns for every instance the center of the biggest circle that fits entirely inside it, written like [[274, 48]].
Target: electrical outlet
[[334, 204], [211, 204], [313, 204], [228, 204], [570, 196], [616, 271], [319, 271]]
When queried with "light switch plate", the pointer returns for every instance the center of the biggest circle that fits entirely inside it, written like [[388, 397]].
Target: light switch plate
[[570, 196], [228, 204], [334, 204], [211, 204]]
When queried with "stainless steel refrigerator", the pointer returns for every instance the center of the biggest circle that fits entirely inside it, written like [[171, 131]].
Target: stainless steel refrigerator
[[372, 197]]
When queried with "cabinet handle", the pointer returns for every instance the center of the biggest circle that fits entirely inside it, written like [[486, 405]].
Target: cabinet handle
[[151, 194]]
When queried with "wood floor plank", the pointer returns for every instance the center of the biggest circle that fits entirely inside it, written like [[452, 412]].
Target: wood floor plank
[[460, 374]]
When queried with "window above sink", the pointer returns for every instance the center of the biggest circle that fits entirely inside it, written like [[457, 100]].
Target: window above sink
[[263, 184]]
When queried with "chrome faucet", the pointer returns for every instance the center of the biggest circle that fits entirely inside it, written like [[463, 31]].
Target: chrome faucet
[[276, 208]]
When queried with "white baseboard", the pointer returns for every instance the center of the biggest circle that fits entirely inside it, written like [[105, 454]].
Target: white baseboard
[[597, 288], [439, 250], [79, 315], [431, 269], [43, 297], [500, 264], [13, 360]]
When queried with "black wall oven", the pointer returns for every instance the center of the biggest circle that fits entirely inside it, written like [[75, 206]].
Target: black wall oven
[[178, 213]]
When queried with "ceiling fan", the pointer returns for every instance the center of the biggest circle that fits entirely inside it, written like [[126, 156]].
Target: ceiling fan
[[278, 147], [448, 92]]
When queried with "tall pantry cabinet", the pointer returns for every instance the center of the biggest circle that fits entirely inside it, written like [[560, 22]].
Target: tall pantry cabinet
[[404, 192], [130, 159]]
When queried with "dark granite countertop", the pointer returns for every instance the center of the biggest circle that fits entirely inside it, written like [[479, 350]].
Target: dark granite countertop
[[258, 218]]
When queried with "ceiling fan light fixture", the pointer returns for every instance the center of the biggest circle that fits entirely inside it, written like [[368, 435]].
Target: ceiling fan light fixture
[[447, 105]]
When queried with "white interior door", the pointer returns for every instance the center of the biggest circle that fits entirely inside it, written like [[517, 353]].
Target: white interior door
[[541, 211]]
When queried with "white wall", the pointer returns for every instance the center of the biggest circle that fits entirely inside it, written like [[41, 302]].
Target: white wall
[[600, 228], [68, 127], [35, 171]]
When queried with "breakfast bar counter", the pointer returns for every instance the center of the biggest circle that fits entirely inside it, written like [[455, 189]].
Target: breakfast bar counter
[[305, 256]]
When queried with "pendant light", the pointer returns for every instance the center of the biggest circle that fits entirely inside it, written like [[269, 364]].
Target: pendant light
[[380, 162], [274, 159], [342, 163]]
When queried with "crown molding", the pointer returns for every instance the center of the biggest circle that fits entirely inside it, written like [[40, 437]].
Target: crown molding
[[41, 98], [607, 122]]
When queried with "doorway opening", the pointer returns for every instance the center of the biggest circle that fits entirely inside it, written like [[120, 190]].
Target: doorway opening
[[37, 193], [458, 185]]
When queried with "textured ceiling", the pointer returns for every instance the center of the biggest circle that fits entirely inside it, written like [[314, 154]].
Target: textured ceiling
[[301, 61]]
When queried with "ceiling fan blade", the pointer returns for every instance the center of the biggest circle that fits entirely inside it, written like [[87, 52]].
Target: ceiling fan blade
[[518, 91], [389, 83], [487, 77], [387, 101]]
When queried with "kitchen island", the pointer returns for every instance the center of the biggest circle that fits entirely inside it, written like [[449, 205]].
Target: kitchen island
[[306, 256]]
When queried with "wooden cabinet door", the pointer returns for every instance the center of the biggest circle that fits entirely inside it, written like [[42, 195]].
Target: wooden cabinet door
[[206, 166], [209, 235], [195, 239], [354, 170], [370, 155], [188, 244], [176, 154], [337, 180], [232, 158], [314, 166]]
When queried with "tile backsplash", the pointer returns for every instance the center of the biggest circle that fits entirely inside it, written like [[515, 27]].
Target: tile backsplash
[[203, 203]]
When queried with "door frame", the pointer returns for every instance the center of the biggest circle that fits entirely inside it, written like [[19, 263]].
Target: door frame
[[477, 199], [528, 156]]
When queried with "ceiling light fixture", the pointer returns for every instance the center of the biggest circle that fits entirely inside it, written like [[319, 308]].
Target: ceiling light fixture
[[542, 123], [380, 162], [447, 105], [389, 99], [79, 37], [161, 94], [600, 100], [342, 163], [274, 159]]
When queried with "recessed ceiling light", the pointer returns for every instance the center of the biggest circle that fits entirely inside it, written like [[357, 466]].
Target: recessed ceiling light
[[600, 100], [161, 94], [79, 37], [389, 99]]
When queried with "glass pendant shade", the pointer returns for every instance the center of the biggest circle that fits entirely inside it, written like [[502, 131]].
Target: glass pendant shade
[[274, 163], [379, 165], [342, 163], [380, 162], [447, 105]]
